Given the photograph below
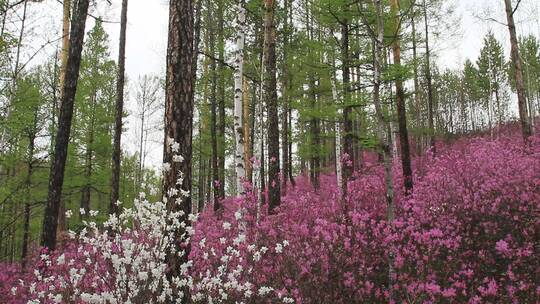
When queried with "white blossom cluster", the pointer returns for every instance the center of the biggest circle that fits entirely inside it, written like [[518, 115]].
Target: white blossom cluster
[[127, 258], [225, 279]]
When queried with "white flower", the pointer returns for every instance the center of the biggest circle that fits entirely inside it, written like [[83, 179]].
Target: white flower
[[143, 275], [61, 260], [175, 147], [279, 248], [288, 300], [178, 158], [166, 167], [239, 239], [256, 256], [94, 212], [285, 243], [72, 234], [202, 243], [193, 217], [69, 213], [265, 290], [82, 211], [238, 215], [226, 225]]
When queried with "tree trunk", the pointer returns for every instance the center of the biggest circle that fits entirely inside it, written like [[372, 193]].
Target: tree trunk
[[518, 73], [338, 163], [287, 86], [116, 155], [56, 179], [65, 41], [15, 75], [221, 102], [178, 130], [213, 113], [348, 157], [290, 167], [315, 140], [400, 98], [429, 85], [274, 183], [196, 38], [247, 130], [238, 96], [417, 106], [29, 173], [383, 127]]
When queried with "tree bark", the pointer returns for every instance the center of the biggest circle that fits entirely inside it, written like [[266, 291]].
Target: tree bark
[[178, 129], [56, 179], [213, 113], [65, 41], [417, 107], [348, 159], [429, 85], [221, 101], [338, 164], [238, 96], [383, 127], [274, 183], [400, 103], [119, 110], [247, 131], [518, 73], [287, 85]]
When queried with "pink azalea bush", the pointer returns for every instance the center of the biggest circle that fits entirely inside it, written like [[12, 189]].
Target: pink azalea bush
[[469, 234]]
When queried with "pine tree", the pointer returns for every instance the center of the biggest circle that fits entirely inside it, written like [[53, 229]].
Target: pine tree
[[50, 220]]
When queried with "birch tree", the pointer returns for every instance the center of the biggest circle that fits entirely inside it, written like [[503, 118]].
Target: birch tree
[[238, 96]]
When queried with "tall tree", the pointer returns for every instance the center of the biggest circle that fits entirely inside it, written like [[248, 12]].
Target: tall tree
[[270, 98], [348, 164], [238, 96], [286, 90], [56, 179], [427, 66], [529, 50], [119, 111], [216, 184], [492, 77], [92, 135], [177, 152], [221, 136], [66, 14], [518, 73], [400, 101]]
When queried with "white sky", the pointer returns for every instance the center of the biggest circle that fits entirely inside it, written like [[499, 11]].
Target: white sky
[[147, 37]]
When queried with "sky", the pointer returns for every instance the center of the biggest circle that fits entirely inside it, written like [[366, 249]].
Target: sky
[[460, 39]]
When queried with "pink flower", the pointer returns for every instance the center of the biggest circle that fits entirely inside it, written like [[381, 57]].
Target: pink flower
[[502, 247]]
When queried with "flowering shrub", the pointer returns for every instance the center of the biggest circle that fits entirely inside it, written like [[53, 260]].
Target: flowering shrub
[[124, 261], [468, 234]]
